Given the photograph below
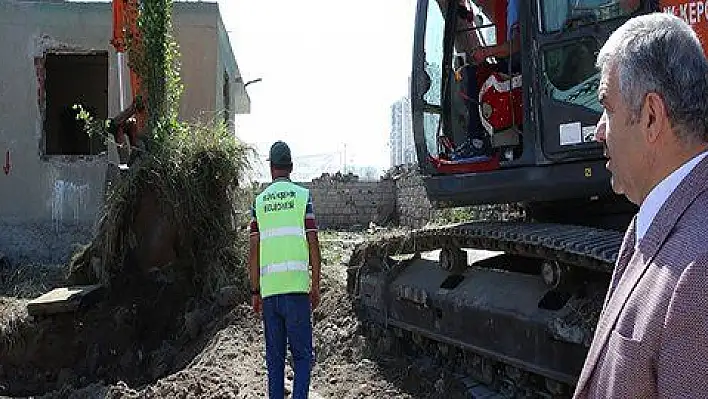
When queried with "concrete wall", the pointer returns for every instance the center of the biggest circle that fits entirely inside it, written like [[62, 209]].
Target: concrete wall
[[347, 204], [196, 36], [57, 198], [206, 57], [226, 63], [412, 205], [352, 204], [45, 201]]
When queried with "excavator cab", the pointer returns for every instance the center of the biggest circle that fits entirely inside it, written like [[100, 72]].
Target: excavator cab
[[505, 108]]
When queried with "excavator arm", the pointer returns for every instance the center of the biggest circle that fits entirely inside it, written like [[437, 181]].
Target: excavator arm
[[130, 123]]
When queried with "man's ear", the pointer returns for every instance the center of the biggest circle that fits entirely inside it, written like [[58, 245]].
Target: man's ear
[[655, 118]]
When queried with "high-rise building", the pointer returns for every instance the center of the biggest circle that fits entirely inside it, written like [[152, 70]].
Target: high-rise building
[[401, 142], [408, 145], [396, 137]]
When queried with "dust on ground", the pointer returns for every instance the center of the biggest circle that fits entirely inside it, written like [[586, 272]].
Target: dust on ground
[[213, 350]]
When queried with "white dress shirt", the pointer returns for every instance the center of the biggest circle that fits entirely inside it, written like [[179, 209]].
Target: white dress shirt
[[661, 192]]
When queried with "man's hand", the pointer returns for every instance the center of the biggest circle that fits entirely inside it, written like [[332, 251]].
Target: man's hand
[[315, 297], [253, 272], [257, 303], [313, 244], [479, 55]]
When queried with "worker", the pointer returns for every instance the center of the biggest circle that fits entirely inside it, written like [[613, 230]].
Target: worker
[[476, 145], [505, 16], [508, 43], [283, 243], [651, 340]]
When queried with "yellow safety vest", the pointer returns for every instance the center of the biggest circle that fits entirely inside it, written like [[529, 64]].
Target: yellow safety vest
[[284, 253]]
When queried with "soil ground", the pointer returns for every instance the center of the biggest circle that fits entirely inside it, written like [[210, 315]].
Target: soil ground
[[214, 350]]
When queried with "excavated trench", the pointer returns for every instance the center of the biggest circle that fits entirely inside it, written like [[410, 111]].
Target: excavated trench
[[152, 340], [136, 333], [144, 323]]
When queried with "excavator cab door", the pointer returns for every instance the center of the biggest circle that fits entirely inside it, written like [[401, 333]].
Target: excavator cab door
[[445, 109], [426, 79], [564, 44]]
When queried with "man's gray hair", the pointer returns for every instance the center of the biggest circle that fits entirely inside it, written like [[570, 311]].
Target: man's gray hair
[[660, 53]]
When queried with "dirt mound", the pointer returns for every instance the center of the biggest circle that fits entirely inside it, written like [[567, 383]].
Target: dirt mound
[[221, 362], [174, 215], [139, 337], [209, 349], [223, 367], [351, 364], [168, 245]]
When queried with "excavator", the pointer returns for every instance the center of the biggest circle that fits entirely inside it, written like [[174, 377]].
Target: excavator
[[130, 123], [505, 107]]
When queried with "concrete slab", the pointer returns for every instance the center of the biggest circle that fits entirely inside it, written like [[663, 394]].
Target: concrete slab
[[62, 300]]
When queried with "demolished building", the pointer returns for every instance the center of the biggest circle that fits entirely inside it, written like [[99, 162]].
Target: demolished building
[[56, 54]]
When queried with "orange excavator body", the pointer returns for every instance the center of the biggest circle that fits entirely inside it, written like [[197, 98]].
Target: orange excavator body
[[695, 13]]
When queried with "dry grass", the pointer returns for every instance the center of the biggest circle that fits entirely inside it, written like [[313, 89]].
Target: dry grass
[[13, 316], [29, 280], [198, 175], [478, 213], [18, 284]]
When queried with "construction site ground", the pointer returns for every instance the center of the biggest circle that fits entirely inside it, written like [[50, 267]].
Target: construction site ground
[[215, 351]]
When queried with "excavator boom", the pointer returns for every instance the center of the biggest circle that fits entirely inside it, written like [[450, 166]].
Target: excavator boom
[[127, 37]]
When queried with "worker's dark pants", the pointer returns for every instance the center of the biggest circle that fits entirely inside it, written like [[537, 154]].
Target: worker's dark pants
[[286, 318]]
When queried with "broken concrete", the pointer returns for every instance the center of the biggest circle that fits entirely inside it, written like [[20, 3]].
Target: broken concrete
[[412, 204], [352, 204], [62, 300], [343, 201]]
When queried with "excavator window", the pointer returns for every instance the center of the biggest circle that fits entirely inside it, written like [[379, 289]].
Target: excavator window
[[434, 31], [468, 119], [560, 15], [570, 73], [435, 25]]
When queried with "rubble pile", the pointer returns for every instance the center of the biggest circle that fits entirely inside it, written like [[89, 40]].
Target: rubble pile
[[336, 178]]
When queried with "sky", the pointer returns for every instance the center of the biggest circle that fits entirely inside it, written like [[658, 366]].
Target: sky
[[330, 71]]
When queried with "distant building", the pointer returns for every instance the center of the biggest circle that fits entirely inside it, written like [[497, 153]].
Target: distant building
[[56, 54], [396, 135], [401, 142]]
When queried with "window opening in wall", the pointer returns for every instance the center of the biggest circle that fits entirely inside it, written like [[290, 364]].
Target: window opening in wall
[[74, 79], [227, 99]]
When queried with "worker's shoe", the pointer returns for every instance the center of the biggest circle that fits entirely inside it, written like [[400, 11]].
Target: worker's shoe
[[473, 148]]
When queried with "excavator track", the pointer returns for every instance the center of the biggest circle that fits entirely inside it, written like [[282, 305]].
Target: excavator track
[[587, 247], [519, 320]]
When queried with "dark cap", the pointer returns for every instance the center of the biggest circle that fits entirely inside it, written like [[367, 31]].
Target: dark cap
[[280, 154]]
